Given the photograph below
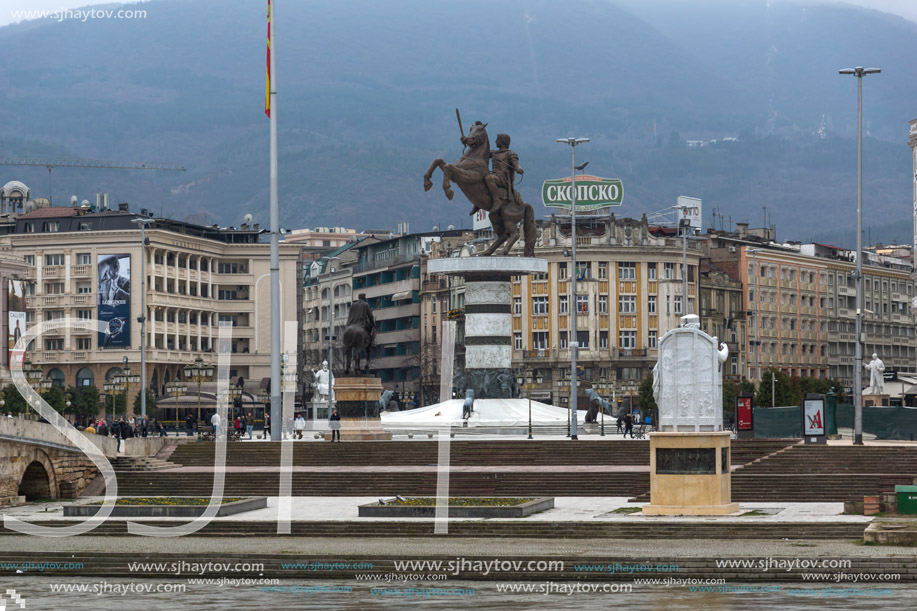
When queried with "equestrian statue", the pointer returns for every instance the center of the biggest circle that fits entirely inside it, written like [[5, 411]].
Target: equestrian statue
[[487, 178], [359, 334]]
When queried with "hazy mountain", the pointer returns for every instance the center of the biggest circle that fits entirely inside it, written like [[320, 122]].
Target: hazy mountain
[[368, 92]]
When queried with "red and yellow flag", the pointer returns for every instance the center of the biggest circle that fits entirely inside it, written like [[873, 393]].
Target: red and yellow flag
[[267, 89]]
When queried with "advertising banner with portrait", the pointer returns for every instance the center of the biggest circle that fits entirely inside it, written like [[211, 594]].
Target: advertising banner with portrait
[[15, 304], [115, 300]]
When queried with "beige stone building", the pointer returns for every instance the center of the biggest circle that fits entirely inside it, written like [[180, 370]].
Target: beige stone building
[[196, 277], [629, 294]]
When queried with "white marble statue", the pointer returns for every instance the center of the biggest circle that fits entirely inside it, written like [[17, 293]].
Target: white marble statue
[[876, 379], [323, 383], [688, 379]]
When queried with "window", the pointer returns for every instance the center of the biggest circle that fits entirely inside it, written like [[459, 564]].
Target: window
[[627, 304], [434, 304], [49, 226], [678, 304], [563, 304], [30, 316], [54, 315], [562, 269], [603, 270], [517, 306], [564, 340], [603, 339], [83, 258], [228, 294], [582, 339], [540, 340], [84, 343], [583, 270], [83, 288], [54, 288], [29, 227], [29, 260], [231, 268], [54, 344], [539, 305], [651, 304], [54, 260], [627, 271], [84, 314], [651, 271], [582, 304], [603, 304], [85, 226], [517, 341], [627, 340], [651, 339], [668, 271]]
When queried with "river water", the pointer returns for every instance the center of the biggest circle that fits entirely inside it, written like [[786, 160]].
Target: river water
[[125, 595]]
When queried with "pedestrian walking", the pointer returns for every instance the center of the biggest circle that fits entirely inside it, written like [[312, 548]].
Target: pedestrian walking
[[299, 425], [628, 426], [238, 426], [249, 425], [335, 426], [267, 425], [189, 425], [620, 423], [215, 423]]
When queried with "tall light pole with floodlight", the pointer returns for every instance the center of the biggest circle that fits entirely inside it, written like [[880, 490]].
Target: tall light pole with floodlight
[[859, 72], [143, 222], [754, 258], [574, 343]]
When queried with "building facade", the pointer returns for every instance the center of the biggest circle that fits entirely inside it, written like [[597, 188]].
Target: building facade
[[629, 293], [802, 306], [88, 265]]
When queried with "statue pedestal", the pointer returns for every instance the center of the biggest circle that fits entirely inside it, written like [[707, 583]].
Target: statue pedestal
[[874, 400], [488, 319], [357, 397], [690, 475], [360, 429]]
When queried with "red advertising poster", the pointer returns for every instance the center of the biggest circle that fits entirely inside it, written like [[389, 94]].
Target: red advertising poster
[[744, 414]]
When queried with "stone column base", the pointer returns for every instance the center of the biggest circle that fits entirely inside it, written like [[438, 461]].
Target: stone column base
[[691, 510], [10, 501]]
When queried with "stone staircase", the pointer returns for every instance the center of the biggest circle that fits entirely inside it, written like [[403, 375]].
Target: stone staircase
[[135, 464]]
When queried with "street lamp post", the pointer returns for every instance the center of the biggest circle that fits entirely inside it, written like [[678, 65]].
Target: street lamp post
[[175, 390], [564, 388], [526, 378], [574, 343], [754, 258], [859, 72], [143, 222], [330, 333], [198, 373]]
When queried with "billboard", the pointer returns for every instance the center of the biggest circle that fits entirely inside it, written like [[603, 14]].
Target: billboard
[[689, 208], [481, 220], [114, 290], [813, 422], [15, 306], [744, 414], [592, 192]]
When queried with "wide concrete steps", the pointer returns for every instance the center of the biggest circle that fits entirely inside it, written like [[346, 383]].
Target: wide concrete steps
[[496, 483], [126, 464], [724, 528]]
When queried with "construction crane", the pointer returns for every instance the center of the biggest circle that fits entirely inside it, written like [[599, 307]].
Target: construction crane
[[85, 163]]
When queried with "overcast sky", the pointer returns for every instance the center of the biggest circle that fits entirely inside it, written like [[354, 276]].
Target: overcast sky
[[905, 8]]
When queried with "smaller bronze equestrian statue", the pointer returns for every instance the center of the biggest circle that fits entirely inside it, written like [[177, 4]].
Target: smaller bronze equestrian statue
[[487, 189], [358, 334]]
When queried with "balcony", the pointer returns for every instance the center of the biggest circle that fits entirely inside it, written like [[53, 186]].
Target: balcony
[[81, 271], [625, 353], [54, 271], [846, 290]]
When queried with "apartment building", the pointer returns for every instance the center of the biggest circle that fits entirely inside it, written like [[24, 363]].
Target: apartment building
[[802, 306], [722, 315], [88, 265], [629, 293]]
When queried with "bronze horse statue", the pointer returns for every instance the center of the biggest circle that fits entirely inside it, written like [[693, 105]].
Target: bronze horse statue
[[468, 173], [356, 345]]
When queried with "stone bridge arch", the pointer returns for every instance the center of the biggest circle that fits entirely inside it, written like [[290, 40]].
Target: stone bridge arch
[[31, 474]]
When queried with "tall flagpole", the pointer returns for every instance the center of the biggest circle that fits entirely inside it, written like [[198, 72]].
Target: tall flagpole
[[276, 414]]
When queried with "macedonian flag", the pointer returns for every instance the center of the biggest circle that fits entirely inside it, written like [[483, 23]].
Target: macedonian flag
[[267, 88]]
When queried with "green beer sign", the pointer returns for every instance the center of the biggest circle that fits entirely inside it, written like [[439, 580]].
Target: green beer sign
[[592, 192]]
